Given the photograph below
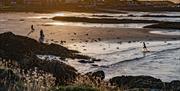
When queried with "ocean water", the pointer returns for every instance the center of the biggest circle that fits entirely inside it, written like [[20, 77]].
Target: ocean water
[[110, 15], [162, 61], [166, 31]]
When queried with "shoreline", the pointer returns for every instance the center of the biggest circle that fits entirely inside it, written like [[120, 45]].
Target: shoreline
[[29, 65], [56, 69], [89, 10], [73, 34]]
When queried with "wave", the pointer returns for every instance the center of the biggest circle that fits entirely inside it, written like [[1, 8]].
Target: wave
[[139, 58], [111, 53]]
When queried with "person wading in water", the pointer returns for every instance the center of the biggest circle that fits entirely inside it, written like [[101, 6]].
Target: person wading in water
[[32, 30], [41, 38], [145, 47]]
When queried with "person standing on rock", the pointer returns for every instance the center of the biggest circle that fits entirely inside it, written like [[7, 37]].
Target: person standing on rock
[[41, 38], [32, 30]]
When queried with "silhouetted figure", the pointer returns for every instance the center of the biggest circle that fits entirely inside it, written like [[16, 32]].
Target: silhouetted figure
[[32, 27], [32, 30], [41, 38], [145, 47]]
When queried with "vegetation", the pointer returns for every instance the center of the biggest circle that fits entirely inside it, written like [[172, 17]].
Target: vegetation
[[74, 88]]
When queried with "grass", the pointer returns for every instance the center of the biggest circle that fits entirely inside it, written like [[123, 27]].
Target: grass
[[75, 88], [32, 80]]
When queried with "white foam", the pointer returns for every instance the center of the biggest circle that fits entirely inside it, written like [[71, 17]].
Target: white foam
[[166, 32]]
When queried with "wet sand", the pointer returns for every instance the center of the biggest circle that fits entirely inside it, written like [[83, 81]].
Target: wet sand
[[87, 34], [72, 34], [110, 53], [20, 23]]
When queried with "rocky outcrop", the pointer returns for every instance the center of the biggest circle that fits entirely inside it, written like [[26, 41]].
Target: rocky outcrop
[[98, 74], [148, 82], [15, 46], [137, 82], [23, 50]]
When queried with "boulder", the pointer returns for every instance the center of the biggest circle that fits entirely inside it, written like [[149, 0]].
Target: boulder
[[85, 61], [175, 85], [16, 46], [97, 75], [137, 82], [23, 50]]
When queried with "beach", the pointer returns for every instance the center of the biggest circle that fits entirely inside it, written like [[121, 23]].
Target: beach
[[118, 47], [19, 23]]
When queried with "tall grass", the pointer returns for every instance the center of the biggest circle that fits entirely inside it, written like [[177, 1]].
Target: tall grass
[[30, 80], [38, 80]]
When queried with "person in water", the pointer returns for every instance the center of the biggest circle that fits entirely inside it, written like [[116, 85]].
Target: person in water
[[32, 30], [41, 38], [145, 47]]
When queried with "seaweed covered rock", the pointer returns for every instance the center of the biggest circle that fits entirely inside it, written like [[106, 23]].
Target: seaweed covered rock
[[137, 82]]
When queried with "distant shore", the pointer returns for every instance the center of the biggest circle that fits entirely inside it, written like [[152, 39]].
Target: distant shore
[[101, 20], [73, 8], [165, 25]]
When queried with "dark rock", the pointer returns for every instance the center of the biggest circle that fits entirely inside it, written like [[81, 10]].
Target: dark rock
[[93, 59], [99, 74], [175, 85], [23, 50], [137, 82], [17, 46], [95, 65], [85, 61]]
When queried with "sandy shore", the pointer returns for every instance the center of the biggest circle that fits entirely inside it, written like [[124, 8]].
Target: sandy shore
[[20, 23], [72, 34]]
